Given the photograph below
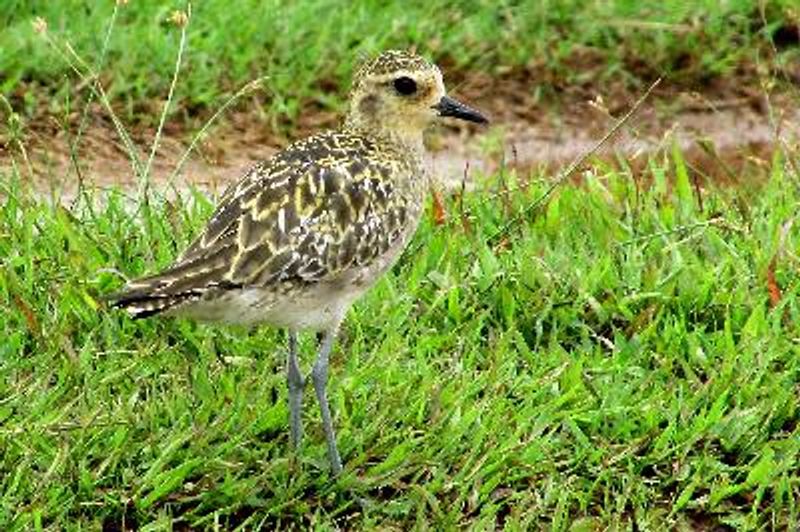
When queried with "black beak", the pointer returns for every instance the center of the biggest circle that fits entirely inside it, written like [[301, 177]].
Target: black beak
[[450, 107]]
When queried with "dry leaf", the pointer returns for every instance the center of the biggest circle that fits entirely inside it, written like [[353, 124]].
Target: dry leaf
[[772, 284], [439, 214]]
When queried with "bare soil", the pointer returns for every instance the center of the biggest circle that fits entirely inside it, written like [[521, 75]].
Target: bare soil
[[725, 131]]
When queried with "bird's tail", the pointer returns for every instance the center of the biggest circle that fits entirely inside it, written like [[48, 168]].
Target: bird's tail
[[144, 302], [187, 280], [151, 295]]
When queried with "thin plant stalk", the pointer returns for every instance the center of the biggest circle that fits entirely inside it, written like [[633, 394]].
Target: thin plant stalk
[[76, 63], [100, 64], [94, 79], [246, 89], [170, 95], [12, 116], [575, 165]]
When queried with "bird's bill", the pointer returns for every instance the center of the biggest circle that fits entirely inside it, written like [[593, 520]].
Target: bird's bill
[[449, 107]]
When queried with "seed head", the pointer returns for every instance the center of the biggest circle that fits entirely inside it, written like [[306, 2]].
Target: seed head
[[39, 25], [179, 18]]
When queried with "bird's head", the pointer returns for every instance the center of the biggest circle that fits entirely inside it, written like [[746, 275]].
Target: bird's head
[[400, 93]]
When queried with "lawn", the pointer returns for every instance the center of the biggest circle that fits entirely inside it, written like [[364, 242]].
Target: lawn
[[622, 356], [618, 352]]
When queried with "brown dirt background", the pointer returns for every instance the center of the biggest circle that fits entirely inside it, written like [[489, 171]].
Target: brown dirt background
[[726, 130]]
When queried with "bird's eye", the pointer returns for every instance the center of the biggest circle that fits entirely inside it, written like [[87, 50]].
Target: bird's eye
[[405, 86]]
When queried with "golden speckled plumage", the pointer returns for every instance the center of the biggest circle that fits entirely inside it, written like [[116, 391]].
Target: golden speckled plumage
[[390, 62], [303, 234], [322, 207]]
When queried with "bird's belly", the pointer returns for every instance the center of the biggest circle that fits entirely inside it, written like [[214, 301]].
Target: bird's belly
[[298, 309]]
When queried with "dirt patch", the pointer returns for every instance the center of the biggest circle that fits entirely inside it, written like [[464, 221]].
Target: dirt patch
[[722, 140], [721, 131]]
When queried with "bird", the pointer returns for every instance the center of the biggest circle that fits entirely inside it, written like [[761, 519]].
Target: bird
[[303, 234]]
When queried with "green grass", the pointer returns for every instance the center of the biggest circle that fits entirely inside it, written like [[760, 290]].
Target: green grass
[[615, 360], [305, 47]]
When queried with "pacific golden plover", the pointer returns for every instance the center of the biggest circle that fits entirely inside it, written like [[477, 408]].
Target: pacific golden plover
[[304, 234]]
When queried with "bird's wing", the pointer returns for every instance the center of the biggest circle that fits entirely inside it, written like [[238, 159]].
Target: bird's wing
[[292, 219]]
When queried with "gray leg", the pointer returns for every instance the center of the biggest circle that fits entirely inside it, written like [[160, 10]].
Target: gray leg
[[319, 375], [296, 383]]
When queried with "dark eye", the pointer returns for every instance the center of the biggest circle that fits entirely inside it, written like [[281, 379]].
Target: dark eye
[[405, 86]]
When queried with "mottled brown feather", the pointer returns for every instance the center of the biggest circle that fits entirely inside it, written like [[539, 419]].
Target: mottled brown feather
[[296, 218]]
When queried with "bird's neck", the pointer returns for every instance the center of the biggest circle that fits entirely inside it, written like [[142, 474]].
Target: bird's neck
[[403, 139], [408, 150]]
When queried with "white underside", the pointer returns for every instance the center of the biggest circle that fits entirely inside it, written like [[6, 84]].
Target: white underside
[[253, 306]]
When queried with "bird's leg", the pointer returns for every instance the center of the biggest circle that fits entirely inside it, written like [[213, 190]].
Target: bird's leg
[[319, 375], [296, 383]]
